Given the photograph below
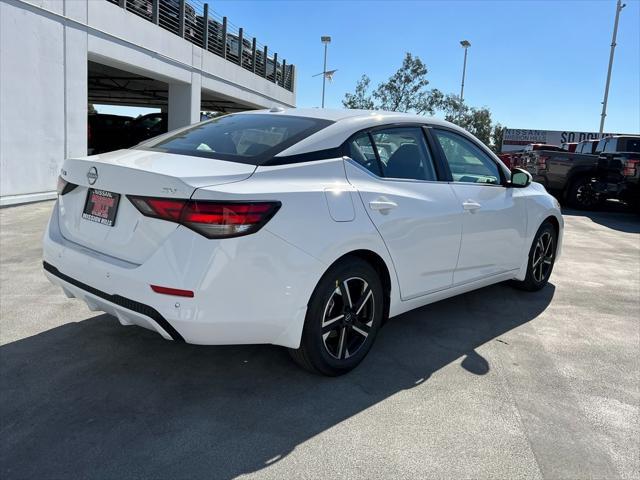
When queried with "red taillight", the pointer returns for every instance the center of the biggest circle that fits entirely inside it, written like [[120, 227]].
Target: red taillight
[[630, 168], [164, 208], [542, 162], [213, 219], [172, 291]]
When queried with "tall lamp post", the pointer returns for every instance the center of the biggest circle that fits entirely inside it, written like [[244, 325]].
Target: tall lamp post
[[465, 44], [619, 7], [326, 40]]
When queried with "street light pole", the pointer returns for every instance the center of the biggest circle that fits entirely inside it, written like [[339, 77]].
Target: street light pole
[[465, 44], [619, 7], [326, 40]]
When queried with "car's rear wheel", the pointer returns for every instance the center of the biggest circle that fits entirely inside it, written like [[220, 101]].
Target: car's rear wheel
[[343, 318], [542, 256]]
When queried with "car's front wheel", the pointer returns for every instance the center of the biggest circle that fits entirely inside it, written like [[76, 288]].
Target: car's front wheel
[[542, 256], [343, 318]]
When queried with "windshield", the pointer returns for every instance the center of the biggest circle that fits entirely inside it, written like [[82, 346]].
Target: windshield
[[243, 138]]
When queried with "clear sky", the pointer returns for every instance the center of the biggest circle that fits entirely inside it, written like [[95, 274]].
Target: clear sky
[[534, 64]]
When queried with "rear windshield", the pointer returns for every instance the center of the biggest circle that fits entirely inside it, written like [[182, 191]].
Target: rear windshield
[[631, 144], [244, 138]]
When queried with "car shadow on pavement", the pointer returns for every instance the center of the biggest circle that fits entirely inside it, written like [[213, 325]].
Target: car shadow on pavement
[[611, 215], [94, 399]]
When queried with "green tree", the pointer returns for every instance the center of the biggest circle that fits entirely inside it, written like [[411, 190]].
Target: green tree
[[496, 138], [360, 99], [476, 121], [405, 91]]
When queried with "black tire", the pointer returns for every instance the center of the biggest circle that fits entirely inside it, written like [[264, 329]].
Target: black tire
[[325, 344], [581, 194], [534, 281]]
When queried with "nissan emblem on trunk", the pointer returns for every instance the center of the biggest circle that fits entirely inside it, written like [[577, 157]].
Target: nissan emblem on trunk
[[92, 175]]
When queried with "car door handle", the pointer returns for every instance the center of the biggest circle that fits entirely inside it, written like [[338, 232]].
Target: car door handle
[[471, 206], [382, 204]]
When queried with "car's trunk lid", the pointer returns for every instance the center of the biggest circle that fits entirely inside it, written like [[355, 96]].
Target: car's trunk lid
[[134, 237]]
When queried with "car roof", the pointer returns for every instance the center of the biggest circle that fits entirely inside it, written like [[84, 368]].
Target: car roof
[[338, 114], [346, 122]]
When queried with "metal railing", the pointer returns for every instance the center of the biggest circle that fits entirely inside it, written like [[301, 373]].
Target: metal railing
[[196, 23]]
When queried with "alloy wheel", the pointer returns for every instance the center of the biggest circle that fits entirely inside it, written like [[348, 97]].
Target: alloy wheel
[[585, 195], [347, 318], [542, 259]]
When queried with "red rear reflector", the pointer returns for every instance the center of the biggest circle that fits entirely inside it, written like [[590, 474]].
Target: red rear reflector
[[172, 291], [212, 219]]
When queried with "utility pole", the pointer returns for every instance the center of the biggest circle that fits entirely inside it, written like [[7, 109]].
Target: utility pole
[[326, 40], [465, 44], [619, 7]]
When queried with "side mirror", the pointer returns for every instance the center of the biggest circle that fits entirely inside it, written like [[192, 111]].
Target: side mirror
[[520, 178]]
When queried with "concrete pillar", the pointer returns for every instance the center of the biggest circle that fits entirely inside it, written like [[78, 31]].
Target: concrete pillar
[[43, 96], [184, 102], [76, 92]]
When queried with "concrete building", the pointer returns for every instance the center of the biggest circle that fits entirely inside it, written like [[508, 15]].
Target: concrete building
[[56, 56]]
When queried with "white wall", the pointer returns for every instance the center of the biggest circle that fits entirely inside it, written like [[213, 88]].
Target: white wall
[[44, 48]]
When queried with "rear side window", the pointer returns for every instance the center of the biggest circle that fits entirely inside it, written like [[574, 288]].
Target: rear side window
[[243, 138], [361, 150], [600, 145], [610, 145]]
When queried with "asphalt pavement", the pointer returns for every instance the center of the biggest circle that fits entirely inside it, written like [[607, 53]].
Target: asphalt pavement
[[497, 383]]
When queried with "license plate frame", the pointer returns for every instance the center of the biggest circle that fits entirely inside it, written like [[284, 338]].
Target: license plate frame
[[101, 206]]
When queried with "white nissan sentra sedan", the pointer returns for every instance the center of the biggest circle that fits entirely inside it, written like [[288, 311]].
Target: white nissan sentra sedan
[[301, 228]]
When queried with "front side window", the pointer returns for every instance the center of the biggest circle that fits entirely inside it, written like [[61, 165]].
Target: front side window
[[467, 162], [404, 153], [244, 138]]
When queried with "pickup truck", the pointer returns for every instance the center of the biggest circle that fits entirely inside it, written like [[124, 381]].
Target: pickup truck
[[583, 179]]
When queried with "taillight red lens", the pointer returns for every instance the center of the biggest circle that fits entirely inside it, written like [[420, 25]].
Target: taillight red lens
[[630, 168], [213, 219], [164, 208], [542, 161]]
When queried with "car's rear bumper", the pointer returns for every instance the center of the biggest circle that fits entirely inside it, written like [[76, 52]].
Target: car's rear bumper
[[251, 289], [129, 312]]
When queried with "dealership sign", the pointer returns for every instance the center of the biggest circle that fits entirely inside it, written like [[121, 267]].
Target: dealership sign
[[516, 138]]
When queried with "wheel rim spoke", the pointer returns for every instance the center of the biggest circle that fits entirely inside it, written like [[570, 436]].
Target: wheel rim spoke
[[363, 301], [327, 323], [344, 291], [360, 331], [343, 335]]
